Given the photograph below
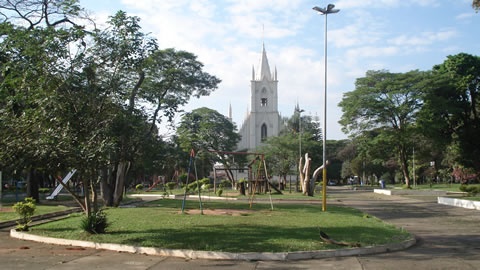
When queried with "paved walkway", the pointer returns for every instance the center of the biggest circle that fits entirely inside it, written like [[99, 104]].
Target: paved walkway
[[449, 238]]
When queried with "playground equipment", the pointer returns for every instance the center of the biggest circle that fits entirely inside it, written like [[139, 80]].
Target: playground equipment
[[57, 190], [258, 180], [190, 163]]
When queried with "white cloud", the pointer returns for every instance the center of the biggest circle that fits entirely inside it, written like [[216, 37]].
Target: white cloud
[[423, 39], [366, 35]]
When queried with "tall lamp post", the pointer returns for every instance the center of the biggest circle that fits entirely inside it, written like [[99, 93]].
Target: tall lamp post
[[325, 11]]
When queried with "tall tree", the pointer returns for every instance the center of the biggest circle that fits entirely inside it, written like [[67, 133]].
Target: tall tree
[[389, 103], [135, 72], [281, 155], [453, 98], [39, 62], [207, 131], [78, 97]]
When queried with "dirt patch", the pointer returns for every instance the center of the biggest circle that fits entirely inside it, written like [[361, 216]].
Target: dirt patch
[[6, 209], [219, 212]]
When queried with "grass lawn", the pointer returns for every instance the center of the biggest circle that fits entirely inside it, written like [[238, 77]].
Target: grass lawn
[[231, 193], [7, 213], [471, 198], [442, 186], [234, 228]]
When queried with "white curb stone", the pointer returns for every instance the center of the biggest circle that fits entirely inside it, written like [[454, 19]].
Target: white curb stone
[[215, 255], [459, 203]]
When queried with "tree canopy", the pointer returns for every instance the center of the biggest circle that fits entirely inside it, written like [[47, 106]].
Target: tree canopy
[[76, 96], [389, 103], [208, 133]]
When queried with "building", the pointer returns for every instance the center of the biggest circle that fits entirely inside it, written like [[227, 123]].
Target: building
[[263, 119]]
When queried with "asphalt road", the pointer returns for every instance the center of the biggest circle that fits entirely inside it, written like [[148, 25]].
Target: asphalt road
[[448, 238]]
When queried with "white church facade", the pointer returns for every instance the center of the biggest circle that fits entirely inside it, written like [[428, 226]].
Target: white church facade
[[263, 120]]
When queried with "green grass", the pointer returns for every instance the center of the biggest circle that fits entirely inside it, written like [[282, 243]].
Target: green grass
[[40, 210], [441, 186], [471, 198], [287, 228], [230, 193]]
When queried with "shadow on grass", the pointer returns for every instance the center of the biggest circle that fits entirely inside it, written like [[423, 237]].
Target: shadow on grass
[[287, 228], [245, 238]]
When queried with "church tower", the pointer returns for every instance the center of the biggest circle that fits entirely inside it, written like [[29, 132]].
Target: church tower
[[263, 120]]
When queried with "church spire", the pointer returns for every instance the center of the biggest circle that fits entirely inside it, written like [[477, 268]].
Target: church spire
[[265, 68]]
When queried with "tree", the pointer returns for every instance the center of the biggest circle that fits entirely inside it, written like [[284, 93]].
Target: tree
[[38, 62], [282, 152], [135, 72], [205, 131], [476, 5], [281, 155], [389, 103], [76, 99], [453, 98]]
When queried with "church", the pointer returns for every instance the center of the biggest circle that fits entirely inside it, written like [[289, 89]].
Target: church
[[263, 119]]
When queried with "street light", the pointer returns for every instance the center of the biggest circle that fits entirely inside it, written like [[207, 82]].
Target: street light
[[325, 11]]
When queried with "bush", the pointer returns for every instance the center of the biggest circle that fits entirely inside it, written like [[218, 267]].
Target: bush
[[225, 183], [44, 190], [219, 192], [95, 223], [207, 187], [192, 186], [25, 210], [170, 186], [183, 178], [139, 187], [471, 190], [204, 181]]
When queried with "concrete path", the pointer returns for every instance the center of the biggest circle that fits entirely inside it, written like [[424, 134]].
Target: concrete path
[[449, 238]]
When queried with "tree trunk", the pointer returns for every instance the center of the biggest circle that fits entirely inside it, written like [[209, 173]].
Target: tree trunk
[[32, 185], [106, 187], [87, 202], [300, 172], [122, 170], [305, 176], [404, 166], [74, 195], [93, 189]]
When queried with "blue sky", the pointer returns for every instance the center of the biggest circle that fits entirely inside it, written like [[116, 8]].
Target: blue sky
[[227, 37]]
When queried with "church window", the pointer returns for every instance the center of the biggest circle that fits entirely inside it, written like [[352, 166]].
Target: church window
[[264, 102], [264, 133]]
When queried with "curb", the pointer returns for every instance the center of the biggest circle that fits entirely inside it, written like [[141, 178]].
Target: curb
[[214, 255], [475, 205]]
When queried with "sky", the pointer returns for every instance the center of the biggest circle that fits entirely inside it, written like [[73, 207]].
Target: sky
[[227, 36]]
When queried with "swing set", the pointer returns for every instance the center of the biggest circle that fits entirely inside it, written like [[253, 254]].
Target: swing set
[[258, 180]]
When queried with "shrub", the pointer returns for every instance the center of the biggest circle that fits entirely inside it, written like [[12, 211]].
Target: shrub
[[225, 183], [219, 192], [44, 190], [207, 186], [25, 210], [204, 181], [192, 186], [171, 186], [139, 187], [183, 178], [471, 190], [95, 223]]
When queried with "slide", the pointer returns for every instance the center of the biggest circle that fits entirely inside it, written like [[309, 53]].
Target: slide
[[59, 187]]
